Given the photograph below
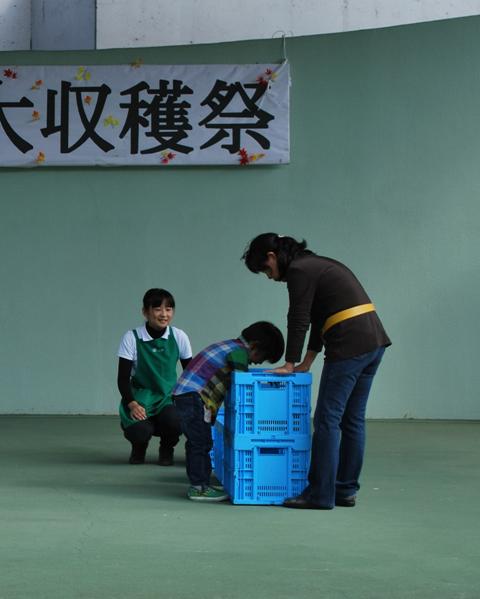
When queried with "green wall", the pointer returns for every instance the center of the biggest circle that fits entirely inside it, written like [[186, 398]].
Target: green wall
[[385, 176]]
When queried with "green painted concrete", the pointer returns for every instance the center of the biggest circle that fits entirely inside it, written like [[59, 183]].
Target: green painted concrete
[[78, 522], [385, 129]]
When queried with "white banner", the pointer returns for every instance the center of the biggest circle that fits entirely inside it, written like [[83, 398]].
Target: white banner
[[144, 115]]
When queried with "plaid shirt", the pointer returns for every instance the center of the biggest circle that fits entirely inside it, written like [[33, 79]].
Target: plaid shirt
[[209, 373]]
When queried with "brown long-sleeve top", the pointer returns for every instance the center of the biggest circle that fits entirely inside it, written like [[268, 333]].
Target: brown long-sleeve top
[[319, 287]]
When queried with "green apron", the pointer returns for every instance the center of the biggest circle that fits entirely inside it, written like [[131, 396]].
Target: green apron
[[155, 376]]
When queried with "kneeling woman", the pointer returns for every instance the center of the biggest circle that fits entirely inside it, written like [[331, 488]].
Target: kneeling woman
[[147, 373]]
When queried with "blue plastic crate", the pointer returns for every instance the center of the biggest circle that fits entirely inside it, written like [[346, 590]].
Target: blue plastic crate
[[221, 415], [217, 452], [265, 474], [234, 441], [220, 419], [264, 403]]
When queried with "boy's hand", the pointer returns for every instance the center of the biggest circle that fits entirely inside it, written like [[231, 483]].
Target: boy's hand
[[137, 412], [287, 368]]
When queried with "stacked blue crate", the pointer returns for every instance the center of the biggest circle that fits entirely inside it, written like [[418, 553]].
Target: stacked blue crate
[[221, 415], [216, 454], [266, 442]]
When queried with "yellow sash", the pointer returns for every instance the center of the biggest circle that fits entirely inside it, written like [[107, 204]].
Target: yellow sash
[[345, 314]]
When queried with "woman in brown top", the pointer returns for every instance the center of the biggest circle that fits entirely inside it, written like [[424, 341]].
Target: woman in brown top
[[325, 295]]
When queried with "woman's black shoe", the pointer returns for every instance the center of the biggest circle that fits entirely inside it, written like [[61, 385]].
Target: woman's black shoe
[[165, 456], [303, 503], [138, 454], [346, 501]]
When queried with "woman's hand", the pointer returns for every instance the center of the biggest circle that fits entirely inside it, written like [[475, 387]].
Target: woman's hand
[[137, 412], [302, 367], [307, 361]]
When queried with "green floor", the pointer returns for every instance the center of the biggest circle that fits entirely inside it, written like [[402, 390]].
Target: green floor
[[77, 521]]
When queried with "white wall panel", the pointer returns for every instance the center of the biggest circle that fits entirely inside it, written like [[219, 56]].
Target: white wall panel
[[63, 25], [123, 23], [15, 22]]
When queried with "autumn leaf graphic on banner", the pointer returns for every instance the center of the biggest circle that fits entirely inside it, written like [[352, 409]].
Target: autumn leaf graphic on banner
[[167, 156], [266, 77], [9, 74], [246, 158], [110, 121], [82, 74]]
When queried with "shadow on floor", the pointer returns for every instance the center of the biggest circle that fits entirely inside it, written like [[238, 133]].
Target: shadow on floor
[[141, 491], [85, 456]]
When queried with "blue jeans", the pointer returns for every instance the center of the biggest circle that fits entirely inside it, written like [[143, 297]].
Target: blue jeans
[[338, 442], [199, 438]]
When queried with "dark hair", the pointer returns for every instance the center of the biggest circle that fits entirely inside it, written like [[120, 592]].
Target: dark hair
[[154, 298], [284, 247], [268, 339]]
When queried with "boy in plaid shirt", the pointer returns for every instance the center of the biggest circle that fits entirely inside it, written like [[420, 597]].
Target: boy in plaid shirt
[[200, 391]]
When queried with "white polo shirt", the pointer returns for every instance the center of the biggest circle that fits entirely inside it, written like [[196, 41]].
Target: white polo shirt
[[128, 344]]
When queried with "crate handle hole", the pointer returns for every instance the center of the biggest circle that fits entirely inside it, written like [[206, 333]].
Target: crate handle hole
[[271, 450]]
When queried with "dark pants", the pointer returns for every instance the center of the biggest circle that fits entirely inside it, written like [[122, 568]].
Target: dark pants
[[339, 427], [199, 438], [166, 425]]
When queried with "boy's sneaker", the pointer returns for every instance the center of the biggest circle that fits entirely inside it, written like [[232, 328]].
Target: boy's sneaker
[[218, 488], [209, 494]]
